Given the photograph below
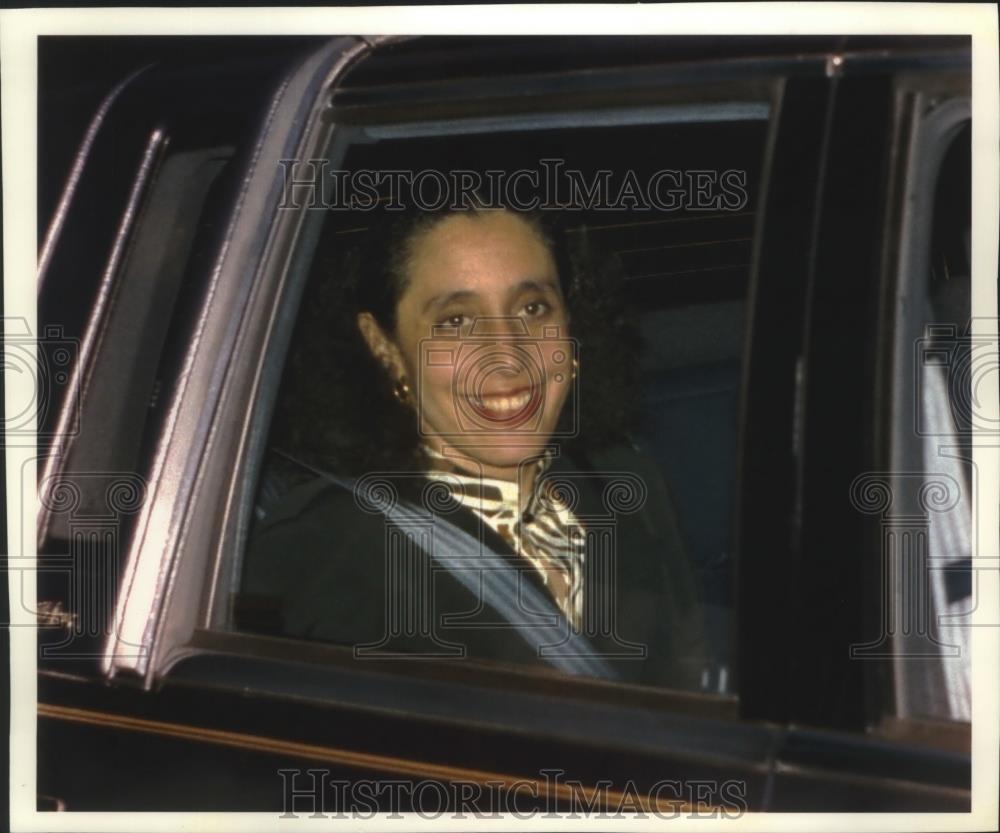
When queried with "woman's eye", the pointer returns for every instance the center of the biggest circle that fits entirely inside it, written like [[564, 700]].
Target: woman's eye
[[536, 308], [456, 320]]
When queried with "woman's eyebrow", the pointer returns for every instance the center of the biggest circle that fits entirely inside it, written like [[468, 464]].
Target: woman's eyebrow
[[445, 298], [530, 285]]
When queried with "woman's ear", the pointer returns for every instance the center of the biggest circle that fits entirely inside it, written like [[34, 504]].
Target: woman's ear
[[381, 346]]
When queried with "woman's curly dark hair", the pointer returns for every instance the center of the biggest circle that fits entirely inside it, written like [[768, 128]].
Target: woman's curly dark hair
[[337, 410]]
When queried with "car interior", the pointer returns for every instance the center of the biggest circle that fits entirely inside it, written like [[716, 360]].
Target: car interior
[[685, 272]]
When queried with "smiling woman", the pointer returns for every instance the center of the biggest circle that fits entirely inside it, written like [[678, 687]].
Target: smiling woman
[[359, 292], [453, 385], [489, 276]]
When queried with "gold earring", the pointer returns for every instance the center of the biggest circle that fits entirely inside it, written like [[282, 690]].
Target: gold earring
[[401, 390]]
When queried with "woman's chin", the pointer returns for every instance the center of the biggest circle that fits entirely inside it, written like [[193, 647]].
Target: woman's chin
[[507, 451]]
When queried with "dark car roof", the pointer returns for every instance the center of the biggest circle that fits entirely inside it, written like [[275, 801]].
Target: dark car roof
[[409, 58]]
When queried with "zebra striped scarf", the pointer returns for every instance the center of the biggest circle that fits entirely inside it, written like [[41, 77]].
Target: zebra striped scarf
[[546, 532]]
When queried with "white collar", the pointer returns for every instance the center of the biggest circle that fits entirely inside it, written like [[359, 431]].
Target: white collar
[[444, 468]]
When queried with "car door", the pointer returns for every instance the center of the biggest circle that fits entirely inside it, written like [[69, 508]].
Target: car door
[[847, 663]]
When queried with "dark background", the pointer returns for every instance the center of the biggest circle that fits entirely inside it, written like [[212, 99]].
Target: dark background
[[75, 74]]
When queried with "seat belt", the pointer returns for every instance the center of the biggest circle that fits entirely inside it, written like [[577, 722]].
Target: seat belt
[[487, 575]]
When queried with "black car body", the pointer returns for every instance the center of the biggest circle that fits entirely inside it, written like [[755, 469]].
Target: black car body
[[170, 267]]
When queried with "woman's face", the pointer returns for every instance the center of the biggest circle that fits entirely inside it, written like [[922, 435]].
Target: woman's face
[[482, 339]]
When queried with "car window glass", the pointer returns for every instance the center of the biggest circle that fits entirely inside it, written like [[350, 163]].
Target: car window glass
[[925, 518], [946, 418], [675, 268]]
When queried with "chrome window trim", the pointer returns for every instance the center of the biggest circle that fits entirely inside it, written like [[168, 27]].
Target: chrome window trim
[[929, 141], [96, 325], [746, 109], [151, 622], [73, 178]]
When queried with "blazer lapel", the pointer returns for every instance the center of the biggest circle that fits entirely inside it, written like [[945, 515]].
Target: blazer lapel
[[609, 626]]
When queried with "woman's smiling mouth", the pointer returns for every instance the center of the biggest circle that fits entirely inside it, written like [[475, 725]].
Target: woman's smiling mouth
[[509, 406], [505, 403]]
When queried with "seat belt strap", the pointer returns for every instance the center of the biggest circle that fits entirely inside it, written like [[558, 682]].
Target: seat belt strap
[[531, 613]]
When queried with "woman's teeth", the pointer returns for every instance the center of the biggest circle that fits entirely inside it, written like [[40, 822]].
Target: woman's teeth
[[505, 404]]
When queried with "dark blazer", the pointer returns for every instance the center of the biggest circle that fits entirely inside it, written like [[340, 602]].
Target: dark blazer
[[322, 566]]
